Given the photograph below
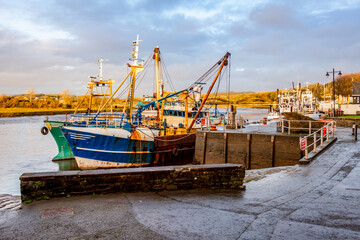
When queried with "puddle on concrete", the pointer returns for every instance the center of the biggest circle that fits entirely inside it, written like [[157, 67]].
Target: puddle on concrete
[[56, 212], [9, 202], [257, 174]]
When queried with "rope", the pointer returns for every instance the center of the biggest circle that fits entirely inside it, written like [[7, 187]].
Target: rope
[[167, 74]]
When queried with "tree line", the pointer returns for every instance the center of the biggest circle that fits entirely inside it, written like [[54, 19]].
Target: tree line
[[343, 87]]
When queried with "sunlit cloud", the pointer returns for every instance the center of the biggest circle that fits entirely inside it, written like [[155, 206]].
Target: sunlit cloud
[[238, 69], [58, 67], [318, 8], [22, 24]]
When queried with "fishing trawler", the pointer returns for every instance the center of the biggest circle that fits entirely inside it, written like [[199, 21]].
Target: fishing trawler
[[97, 87], [139, 137], [295, 100], [289, 100]]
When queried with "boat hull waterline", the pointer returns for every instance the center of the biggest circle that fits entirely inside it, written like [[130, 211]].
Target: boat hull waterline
[[108, 148], [64, 150]]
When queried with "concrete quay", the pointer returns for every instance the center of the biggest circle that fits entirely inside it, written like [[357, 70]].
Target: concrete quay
[[315, 201]]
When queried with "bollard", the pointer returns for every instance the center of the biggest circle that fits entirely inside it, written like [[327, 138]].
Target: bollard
[[356, 132], [353, 129]]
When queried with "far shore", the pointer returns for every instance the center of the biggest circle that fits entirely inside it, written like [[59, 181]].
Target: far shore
[[21, 112]]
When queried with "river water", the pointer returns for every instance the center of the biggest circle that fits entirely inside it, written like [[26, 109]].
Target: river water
[[24, 149]]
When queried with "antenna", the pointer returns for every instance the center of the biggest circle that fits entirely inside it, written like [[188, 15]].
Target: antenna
[[135, 50], [101, 60]]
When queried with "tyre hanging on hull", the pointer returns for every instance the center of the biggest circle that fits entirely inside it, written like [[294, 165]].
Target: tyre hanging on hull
[[44, 130]]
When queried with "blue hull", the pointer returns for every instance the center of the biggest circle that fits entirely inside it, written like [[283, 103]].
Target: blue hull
[[110, 149]]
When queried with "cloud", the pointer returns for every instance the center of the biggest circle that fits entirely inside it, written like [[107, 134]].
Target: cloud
[[275, 15], [53, 45]]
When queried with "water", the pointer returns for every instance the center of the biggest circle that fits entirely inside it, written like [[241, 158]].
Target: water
[[24, 149]]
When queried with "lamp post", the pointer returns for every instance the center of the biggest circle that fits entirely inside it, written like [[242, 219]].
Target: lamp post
[[333, 73]]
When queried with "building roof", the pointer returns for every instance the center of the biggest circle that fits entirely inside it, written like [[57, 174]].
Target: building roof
[[356, 89]]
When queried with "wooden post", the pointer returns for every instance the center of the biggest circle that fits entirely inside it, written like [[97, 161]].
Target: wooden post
[[332, 128], [315, 142], [225, 147], [204, 148], [249, 151], [309, 127], [273, 150], [282, 125]]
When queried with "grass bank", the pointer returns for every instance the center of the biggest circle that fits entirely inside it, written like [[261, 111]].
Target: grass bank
[[19, 112], [352, 117]]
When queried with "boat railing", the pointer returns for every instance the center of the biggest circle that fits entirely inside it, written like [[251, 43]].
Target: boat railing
[[100, 120], [106, 120]]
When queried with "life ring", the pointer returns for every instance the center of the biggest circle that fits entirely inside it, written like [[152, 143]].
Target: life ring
[[44, 130], [175, 151]]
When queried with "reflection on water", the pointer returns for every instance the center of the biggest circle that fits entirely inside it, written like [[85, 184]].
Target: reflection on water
[[24, 149], [67, 165]]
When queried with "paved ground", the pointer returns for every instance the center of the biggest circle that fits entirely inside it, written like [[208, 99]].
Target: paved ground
[[316, 201]]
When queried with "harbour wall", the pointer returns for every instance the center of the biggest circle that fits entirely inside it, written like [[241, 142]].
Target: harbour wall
[[254, 151], [345, 122], [36, 186]]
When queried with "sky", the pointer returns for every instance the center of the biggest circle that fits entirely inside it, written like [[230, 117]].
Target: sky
[[52, 45]]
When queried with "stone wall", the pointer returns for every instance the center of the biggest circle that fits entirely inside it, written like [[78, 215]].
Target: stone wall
[[345, 122], [36, 186], [252, 150]]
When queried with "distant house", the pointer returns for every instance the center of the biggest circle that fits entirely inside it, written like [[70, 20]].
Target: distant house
[[354, 108], [356, 93]]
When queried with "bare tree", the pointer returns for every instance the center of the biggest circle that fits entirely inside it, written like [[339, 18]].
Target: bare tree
[[65, 95], [30, 93]]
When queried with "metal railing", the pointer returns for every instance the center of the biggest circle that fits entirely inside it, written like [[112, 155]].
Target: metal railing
[[324, 133], [100, 120], [288, 126]]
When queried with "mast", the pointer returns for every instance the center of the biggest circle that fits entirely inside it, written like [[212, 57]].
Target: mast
[[136, 67], [208, 92], [98, 82], [157, 59]]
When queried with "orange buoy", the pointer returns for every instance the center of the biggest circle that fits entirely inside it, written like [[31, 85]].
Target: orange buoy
[[213, 128]]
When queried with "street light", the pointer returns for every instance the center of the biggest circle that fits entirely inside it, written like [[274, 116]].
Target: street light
[[327, 75]]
